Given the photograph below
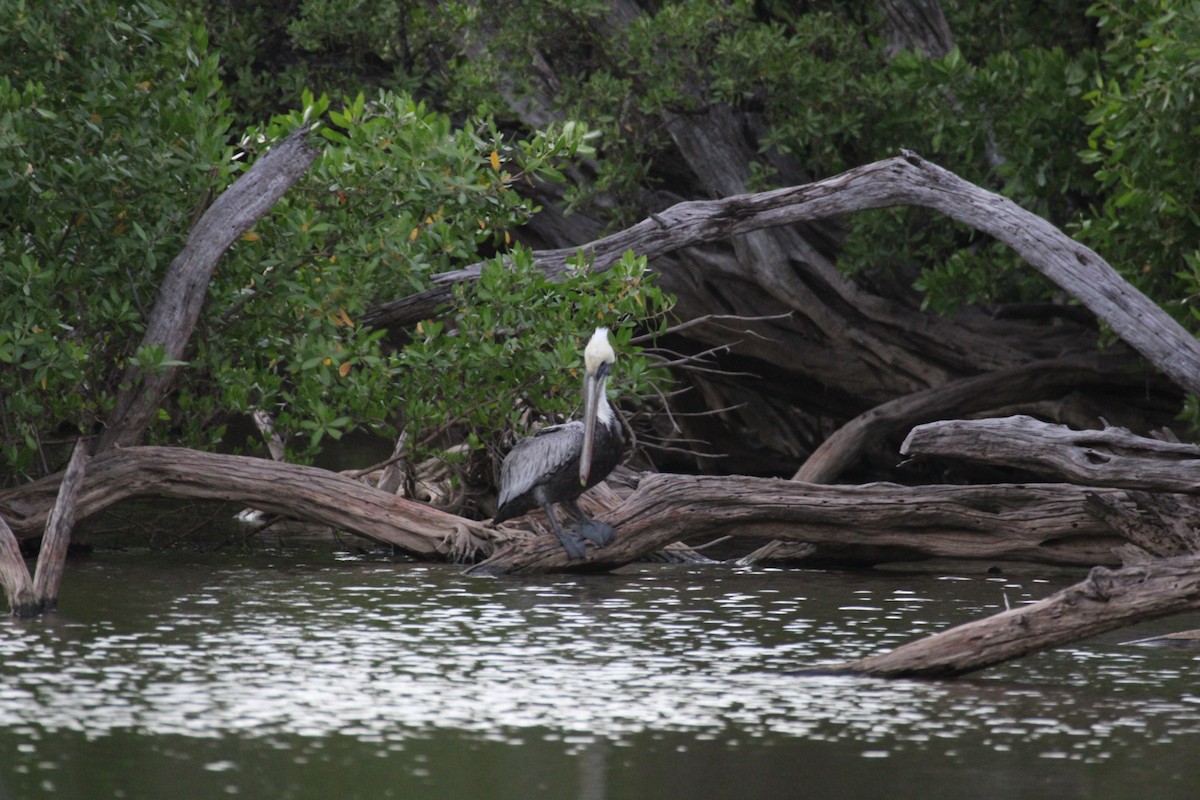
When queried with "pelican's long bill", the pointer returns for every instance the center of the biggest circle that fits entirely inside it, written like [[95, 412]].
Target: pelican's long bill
[[593, 392]]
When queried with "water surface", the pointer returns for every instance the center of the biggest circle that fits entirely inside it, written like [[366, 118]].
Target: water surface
[[313, 675]]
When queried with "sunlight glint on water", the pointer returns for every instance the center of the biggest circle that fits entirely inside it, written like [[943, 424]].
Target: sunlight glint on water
[[389, 654]]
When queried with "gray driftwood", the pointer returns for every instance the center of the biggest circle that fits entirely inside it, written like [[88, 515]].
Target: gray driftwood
[[876, 522], [904, 180], [1106, 600], [993, 390], [185, 286], [1109, 457], [869, 523], [28, 596], [1154, 524], [14, 575], [289, 490]]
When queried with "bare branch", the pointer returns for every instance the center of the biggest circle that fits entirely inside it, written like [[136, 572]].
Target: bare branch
[[184, 288], [905, 180]]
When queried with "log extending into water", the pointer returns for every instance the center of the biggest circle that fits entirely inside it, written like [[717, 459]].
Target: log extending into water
[[28, 597], [871, 523], [1106, 600], [1109, 457]]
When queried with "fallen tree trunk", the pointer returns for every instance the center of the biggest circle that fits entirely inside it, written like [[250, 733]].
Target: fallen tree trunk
[[289, 490], [1106, 600], [1047, 523], [866, 524], [1109, 457], [1161, 523]]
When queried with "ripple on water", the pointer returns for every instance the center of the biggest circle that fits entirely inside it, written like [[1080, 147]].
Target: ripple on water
[[390, 652]]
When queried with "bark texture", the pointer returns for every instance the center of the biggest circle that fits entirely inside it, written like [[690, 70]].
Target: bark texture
[[1048, 523], [14, 575], [30, 596], [288, 490], [1042, 380], [863, 524], [844, 351], [53, 554], [1109, 457]]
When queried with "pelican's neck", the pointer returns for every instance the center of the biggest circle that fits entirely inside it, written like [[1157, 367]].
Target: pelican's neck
[[604, 412]]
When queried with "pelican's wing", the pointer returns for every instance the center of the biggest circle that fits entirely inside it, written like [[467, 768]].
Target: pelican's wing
[[539, 456]]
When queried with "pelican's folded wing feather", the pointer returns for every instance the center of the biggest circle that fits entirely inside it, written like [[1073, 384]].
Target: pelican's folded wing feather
[[541, 455]]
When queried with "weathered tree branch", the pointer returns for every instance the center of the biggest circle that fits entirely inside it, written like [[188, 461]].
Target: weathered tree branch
[[28, 597], [185, 286], [14, 575], [873, 522], [289, 490], [1027, 383], [1156, 524], [1106, 600], [53, 555], [1109, 457], [905, 180]]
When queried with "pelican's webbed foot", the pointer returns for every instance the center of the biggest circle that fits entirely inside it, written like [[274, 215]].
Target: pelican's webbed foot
[[595, 532], [571, 541]]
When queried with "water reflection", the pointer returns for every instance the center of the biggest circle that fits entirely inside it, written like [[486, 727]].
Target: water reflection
[[389, 656]]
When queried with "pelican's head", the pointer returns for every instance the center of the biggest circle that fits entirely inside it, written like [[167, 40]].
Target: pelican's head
[[598, 357], [598, 351]]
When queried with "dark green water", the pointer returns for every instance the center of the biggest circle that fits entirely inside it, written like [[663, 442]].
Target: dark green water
[[319, 676]]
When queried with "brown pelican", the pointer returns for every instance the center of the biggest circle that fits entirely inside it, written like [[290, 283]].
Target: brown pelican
[[559, 463]]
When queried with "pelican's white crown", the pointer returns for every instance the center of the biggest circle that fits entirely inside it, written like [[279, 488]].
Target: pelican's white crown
[[598, 351]]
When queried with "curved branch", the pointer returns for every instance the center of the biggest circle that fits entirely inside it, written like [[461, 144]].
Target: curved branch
[[905, 180], [1026, 383], [185, 286]]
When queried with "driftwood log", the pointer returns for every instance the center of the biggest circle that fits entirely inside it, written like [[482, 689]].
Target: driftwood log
[[1159, 516], [289, 490], [1024, 384], [867, 524], [1153, 524], [1106, 600]]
